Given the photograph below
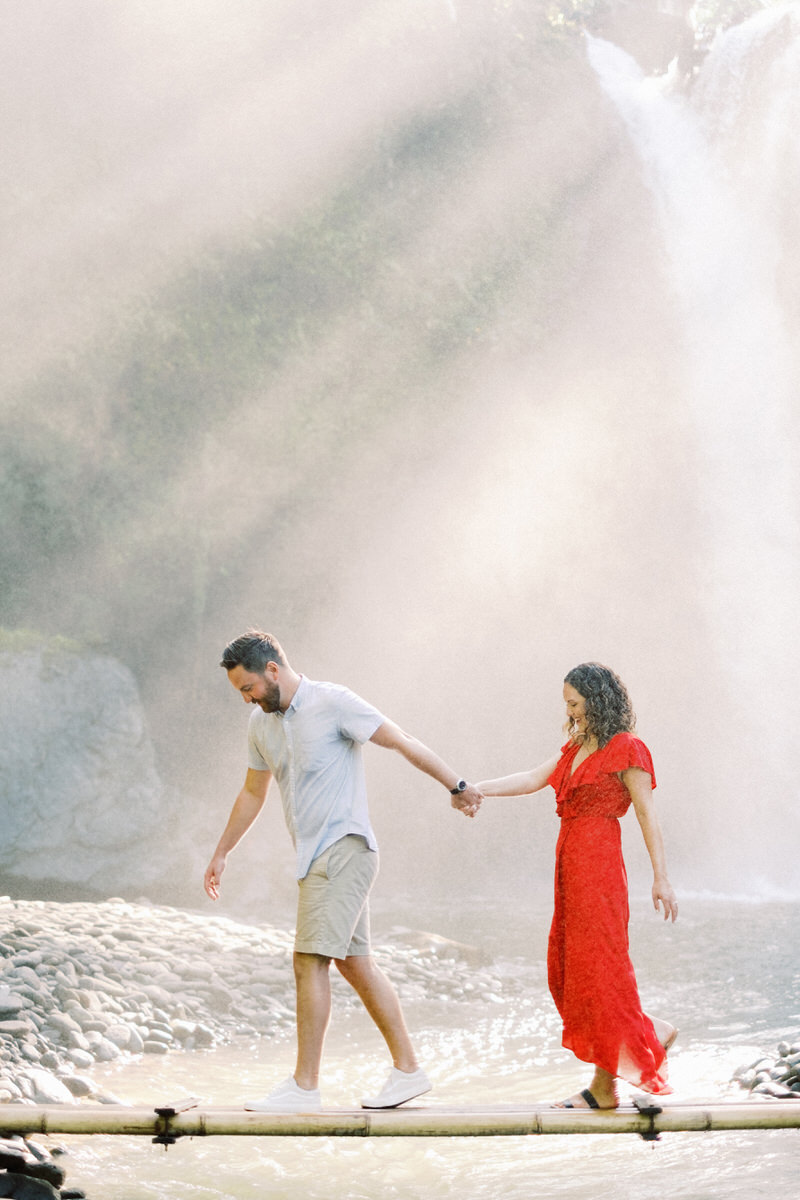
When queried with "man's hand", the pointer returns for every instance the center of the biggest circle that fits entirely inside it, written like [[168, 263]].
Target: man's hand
[[213, 875], [246, 808], [468, 801]]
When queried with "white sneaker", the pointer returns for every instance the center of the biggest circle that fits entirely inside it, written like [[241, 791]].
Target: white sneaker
[[400, 1087], [287, 1097]]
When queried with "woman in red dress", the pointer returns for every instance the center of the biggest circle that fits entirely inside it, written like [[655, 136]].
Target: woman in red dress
[[601, 770]]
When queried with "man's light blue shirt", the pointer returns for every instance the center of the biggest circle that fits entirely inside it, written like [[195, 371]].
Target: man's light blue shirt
[[314, 752]]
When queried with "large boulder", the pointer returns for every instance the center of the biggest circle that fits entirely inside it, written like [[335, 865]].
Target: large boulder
[[81, 800]]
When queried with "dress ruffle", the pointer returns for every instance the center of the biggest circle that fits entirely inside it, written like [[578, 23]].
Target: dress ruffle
[[623, 751]]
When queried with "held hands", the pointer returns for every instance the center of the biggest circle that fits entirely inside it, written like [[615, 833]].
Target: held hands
[[468, 801], [664, 896]]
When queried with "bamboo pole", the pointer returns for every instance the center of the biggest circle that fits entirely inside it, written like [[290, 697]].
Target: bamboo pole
[[405, 1122]]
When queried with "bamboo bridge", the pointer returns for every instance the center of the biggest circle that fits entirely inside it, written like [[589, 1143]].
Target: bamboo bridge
[[185, 1118]]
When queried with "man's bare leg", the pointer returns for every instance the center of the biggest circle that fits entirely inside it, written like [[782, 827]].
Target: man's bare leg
[[313, 984], [381, 1002]]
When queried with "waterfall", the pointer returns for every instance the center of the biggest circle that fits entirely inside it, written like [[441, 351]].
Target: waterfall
[[717, 162]]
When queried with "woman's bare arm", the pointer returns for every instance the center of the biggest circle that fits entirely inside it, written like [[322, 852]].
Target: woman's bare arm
[[639, 785], [524, 783]]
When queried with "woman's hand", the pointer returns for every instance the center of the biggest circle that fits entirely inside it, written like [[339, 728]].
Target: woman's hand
[[664, 896]]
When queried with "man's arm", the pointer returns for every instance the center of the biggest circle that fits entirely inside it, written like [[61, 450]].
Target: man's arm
[[392, 737], [247, 806]]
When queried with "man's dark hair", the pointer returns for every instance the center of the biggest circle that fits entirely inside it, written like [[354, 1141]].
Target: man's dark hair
[[253, 650]]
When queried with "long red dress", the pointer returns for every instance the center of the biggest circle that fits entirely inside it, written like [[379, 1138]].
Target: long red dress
[[588, 964]]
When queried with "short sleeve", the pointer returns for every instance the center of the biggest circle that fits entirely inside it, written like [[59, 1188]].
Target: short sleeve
[[358, 720], [255, 759], [624, 751]]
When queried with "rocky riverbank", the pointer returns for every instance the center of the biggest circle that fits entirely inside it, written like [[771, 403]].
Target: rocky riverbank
[[87, 983]]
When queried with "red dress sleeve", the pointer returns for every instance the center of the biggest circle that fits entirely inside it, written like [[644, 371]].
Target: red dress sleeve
[[623, 751]]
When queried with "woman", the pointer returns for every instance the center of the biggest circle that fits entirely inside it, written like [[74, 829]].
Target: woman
[[601, 770]]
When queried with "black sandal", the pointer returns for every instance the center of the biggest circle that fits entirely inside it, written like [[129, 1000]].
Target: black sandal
[[585, 1095]]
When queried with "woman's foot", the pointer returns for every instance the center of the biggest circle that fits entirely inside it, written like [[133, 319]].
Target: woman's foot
[[601, 1093], [584, 1099]]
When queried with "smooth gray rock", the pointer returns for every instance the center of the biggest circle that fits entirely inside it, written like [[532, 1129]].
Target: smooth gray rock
[[62, 1021], [26, 974], [15, 1029], [11, 1159], [120, 1035], [183, 1029], [78, 1085], [11, 1004], [46, 1088], [102, 1049], [136, 1043], [22, 1187], [81, 1058]]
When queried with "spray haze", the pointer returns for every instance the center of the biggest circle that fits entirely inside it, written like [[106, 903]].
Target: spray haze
[[423, 338]]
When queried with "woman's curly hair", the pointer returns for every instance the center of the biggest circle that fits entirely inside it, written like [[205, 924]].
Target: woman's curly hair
[[608, 705]]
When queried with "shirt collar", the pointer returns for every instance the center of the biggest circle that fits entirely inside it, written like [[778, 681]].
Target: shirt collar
[[297, 698]]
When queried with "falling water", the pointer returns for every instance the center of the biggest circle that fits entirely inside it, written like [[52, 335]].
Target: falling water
[[716, 209]]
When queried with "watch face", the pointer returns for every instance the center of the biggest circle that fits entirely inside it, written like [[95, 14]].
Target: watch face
[[461, 786]]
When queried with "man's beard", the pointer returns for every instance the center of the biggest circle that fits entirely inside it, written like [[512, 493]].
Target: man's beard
[[271, 701]]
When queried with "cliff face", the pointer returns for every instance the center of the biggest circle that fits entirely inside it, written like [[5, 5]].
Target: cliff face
[[81, 800]]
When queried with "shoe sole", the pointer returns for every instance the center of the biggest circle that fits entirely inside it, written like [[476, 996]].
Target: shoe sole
[[278, 1109], [397, 1103]]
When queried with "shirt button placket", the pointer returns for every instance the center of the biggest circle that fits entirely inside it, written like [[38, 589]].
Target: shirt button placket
[[287, 726]]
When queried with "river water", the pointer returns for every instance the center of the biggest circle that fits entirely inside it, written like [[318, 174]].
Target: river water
[[727, 973]]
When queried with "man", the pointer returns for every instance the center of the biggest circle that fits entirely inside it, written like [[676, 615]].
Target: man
[[308, 736]]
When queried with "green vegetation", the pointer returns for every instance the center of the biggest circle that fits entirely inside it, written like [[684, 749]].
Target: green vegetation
[[712, 15], [708, 16], [22, 641]]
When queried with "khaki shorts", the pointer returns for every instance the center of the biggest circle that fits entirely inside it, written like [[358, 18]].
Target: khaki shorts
[[333, 905]]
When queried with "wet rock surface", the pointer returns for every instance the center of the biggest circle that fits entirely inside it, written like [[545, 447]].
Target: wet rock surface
[[775, 1075], [28, 1171]]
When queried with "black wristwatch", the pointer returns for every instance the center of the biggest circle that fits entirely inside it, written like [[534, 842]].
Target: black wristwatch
[[460, 787]]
